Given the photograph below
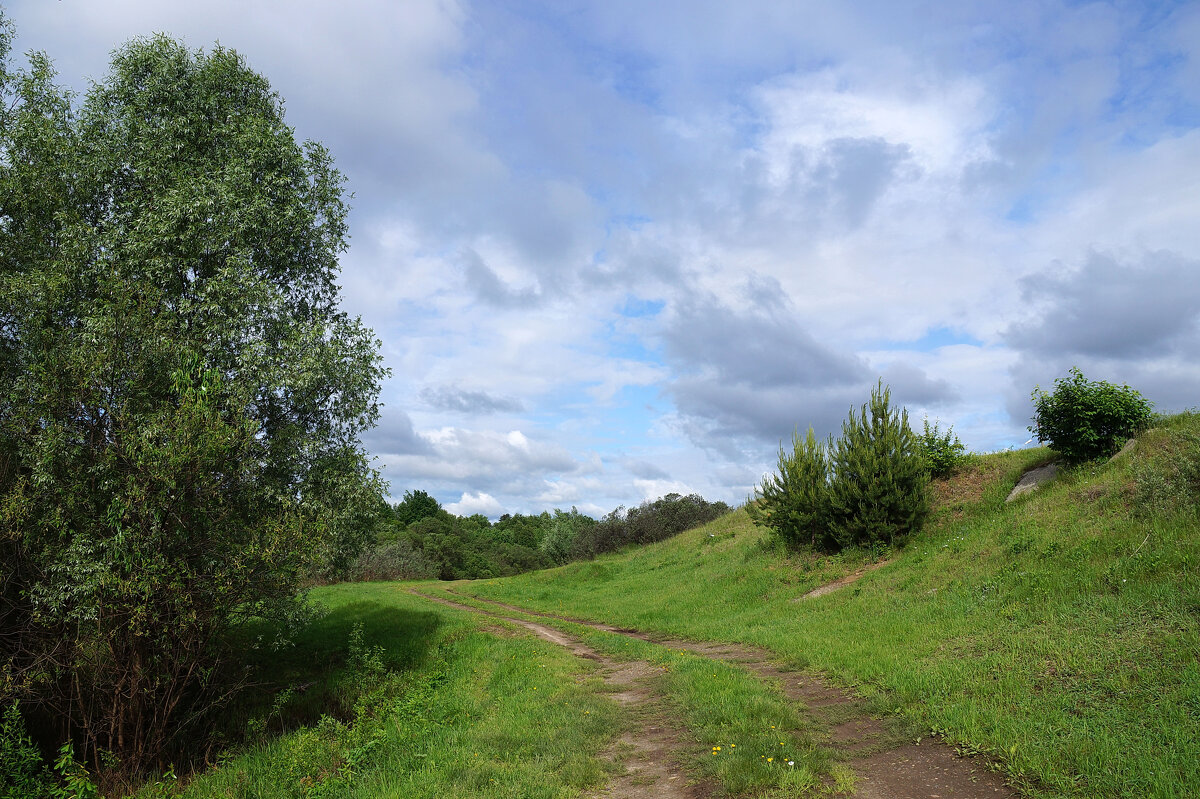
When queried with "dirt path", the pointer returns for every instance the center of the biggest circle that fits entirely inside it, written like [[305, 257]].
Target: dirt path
[[886, 767], [649, 751]]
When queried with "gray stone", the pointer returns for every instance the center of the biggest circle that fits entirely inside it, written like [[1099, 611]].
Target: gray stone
[[1032, 479]]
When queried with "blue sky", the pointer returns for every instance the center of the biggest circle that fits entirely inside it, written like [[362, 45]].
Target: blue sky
[[616, 249]]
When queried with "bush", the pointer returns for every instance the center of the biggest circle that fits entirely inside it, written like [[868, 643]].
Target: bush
[[795, 502], [651, 521], [23, 775], [394, 560], [867, 488], [941, 451], [1084, 420]]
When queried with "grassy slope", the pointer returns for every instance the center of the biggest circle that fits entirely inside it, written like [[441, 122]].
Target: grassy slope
[[1058, 634], [434, 705]]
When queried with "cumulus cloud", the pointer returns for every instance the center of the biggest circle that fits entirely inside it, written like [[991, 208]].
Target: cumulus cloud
[[483, 458], [1126, 319], [395, 435], [473, 503], [1113, 308]]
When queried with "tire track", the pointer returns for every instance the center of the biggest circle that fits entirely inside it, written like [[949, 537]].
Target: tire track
[[885, 767], [650, 751]]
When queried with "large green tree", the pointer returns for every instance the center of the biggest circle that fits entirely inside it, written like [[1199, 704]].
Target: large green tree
[[181, 396]]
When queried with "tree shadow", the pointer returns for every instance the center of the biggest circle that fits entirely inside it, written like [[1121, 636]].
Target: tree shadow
[[314, 676]]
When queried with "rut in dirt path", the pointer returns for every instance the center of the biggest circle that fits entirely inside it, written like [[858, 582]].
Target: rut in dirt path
[[650, 751], [886, 767]]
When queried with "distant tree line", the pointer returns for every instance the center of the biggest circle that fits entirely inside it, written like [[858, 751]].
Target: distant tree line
[[418, 539]]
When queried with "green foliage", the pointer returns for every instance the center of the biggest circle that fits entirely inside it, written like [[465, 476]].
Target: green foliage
[[651, 521], [1084, 420], [181, 396], [400, 559], [878, 492], [415, 506], [941, 451], [565, 529], [795, 502], [867, 488], [76, 780], [22, 773]]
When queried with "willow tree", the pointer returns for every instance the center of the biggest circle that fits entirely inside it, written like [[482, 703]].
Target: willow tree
[[181, 396]]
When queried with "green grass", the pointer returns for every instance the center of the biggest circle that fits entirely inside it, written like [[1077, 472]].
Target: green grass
[[733, 722], [1057, 635], [431, 705]]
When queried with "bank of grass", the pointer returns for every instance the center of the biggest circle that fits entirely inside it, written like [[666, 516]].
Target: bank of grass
[[1057, 635], [740, 734], [413, 699]]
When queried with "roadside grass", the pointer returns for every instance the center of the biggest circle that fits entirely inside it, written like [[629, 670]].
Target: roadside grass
[[749, 738], [429, 703], [1058, 635]]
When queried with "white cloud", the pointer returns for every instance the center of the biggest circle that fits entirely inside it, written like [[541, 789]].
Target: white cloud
[[471, 504], [797, 193]]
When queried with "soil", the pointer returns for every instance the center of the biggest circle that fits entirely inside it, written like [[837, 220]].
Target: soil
[[886, 765], [841, 582]]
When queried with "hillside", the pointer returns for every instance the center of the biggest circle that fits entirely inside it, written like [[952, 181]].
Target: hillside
[[1054, 639], [1057, 635]]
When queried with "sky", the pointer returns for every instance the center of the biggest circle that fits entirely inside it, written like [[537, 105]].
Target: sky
[[618, 249]]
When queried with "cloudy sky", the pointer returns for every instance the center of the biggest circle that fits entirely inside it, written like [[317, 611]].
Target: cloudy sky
[[616, 249]]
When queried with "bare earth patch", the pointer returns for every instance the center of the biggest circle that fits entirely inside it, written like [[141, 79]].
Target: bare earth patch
[[841, 582], [885, 767]]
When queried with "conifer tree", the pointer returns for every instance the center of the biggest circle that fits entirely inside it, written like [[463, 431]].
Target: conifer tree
[[795, 502], [878, 492]]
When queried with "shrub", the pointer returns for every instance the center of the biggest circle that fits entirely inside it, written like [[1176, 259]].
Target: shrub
[[1084, 420], [795, 502], [878, 492], [560, 538], [394, 560], [649, 522], [941, 451], [22, 773]]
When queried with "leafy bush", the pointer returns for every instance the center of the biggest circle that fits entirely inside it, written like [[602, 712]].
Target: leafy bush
[[941, 451], [395, 560], [1084, 420], [23, 775], [564, 530], [795, 502], [181, 395], [867, 488]]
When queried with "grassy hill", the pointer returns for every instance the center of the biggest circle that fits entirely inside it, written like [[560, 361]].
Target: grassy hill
[[1057, 635]]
